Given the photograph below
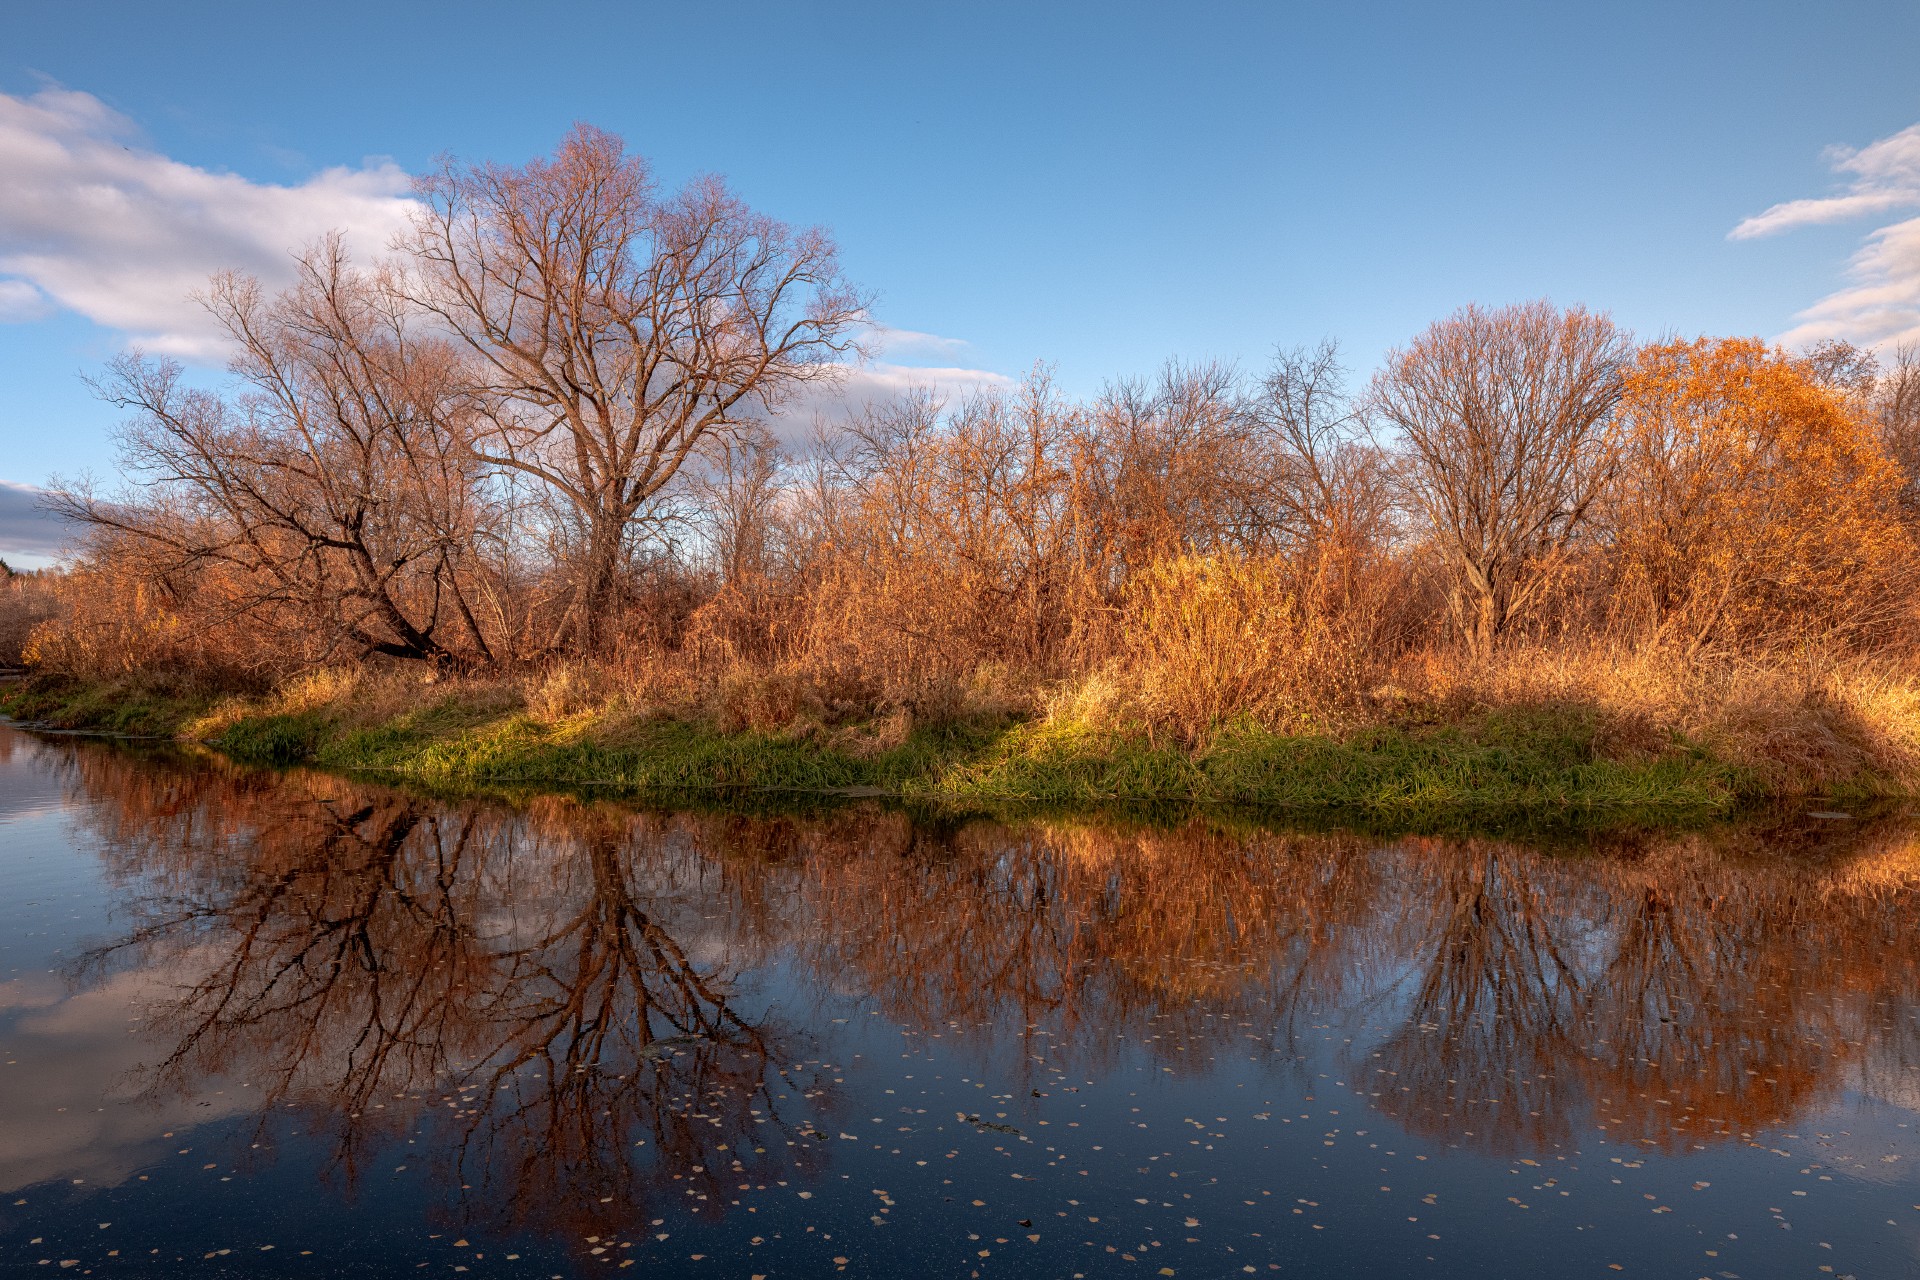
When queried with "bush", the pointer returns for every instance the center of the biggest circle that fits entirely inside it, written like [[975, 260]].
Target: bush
[[1209, 640]]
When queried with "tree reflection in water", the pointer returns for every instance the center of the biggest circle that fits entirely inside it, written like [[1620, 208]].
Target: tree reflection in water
[[568, 984], [366, 958]]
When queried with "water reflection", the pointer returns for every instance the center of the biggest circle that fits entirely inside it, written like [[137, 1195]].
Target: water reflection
[[579, 992], [558, 982]]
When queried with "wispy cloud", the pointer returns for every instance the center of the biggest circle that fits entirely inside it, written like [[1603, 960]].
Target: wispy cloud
[[1885, 176], [1881, 303], [20, 302], [883, 379], [911, 342], [1881, 307], [94, 222]]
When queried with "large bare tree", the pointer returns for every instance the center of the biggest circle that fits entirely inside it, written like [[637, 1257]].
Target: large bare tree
[[619, 328], [1506, 419], [332, 488]]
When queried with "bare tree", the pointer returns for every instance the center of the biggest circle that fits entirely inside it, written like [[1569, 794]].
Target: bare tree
[[739, 495], [335, 489], [1172, 465], [1506, 420], [620, 329], [1330, 480], [1847, 370], [1897, 411]]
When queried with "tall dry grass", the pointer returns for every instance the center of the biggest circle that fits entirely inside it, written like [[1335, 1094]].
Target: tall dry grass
[[1206, 640]]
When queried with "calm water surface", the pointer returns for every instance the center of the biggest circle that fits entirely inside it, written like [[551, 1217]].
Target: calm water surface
[[259, 1024]]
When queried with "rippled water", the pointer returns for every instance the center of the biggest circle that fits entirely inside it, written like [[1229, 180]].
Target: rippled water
[[263, 1024]]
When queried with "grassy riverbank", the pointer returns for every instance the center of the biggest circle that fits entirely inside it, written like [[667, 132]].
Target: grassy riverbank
[[1559, 762]]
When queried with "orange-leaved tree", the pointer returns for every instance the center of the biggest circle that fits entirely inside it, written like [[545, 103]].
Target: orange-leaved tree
[[1751, 503]]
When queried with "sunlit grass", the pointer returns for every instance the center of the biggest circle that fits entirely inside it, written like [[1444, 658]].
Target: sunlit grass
[[1536, 743]]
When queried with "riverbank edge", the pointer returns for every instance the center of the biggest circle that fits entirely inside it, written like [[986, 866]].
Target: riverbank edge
[[1532, 765]]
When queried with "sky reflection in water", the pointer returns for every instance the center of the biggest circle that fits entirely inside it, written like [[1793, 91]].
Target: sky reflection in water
[[330, 1028]]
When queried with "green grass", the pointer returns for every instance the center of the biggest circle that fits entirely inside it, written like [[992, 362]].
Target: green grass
[[274, 739], [1530, 767], [135, 709], [1498, 767]]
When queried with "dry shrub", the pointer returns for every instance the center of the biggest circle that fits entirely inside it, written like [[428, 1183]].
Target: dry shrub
[[1000, 691], [1175, 556], [660, 602], [1815, 724], [766, 701], [1098, 699], [27, 600], [110, 619], [363, 694], [923, 632], [567, 689], [740, 622], [944, 543], [801, 698], [891, 636], [1884, 701], [1212, 639], [323, 689]]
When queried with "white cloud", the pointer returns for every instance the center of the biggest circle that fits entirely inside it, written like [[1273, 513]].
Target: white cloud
[[881, 379], [122, 235], [20, 301], [856, 386], [907, 342], [1881, 304], [92, 221], [69, 1111]]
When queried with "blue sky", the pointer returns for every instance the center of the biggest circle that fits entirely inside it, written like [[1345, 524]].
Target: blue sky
[[1100, 186]]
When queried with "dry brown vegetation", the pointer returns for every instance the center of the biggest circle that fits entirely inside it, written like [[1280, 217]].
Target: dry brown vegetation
[[26, 601], [537, 454]]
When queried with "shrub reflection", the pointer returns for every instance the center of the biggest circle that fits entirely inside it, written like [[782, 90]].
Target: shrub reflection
[[570, 987]]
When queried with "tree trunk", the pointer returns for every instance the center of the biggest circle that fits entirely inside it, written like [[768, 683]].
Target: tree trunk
[[596, 589]]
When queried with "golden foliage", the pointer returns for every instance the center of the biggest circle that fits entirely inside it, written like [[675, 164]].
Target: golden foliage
[[1751, 503]]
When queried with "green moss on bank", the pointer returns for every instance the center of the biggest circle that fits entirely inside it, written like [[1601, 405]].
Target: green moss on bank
[[1530, 765]]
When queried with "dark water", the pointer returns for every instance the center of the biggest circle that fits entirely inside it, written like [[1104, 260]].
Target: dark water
[[254, 1024]]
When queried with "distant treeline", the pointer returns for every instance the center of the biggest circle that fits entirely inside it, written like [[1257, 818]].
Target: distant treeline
[[540, 435]]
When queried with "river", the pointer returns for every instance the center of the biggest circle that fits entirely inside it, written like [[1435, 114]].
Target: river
[[258, 1023]]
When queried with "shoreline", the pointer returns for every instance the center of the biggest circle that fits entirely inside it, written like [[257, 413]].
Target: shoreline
[[1532, 766]]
